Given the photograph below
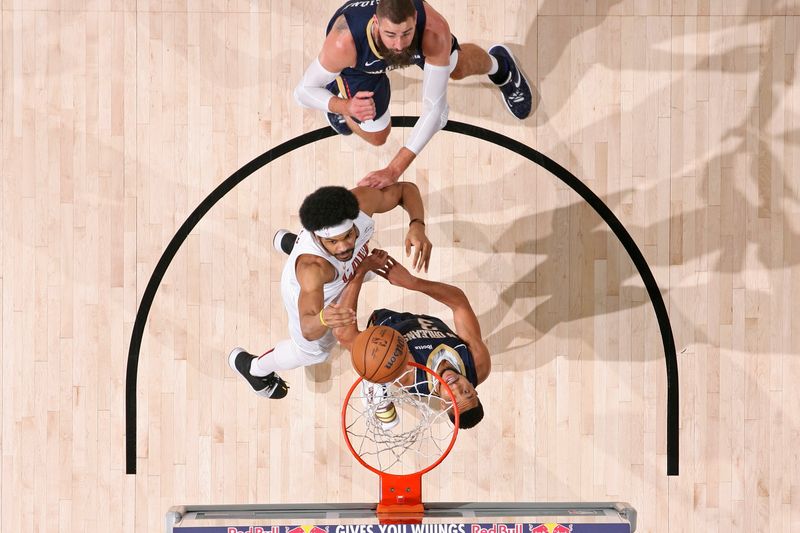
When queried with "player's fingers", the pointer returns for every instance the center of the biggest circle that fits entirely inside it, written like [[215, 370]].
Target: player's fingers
[[366, 181], [427, 256], [339, 314], [408, 247], [342, 321], [416, 263], [338, 323]]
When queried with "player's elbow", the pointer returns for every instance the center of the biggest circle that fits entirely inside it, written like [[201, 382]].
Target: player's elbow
[[298, 93], [406, 188], [310, 333], [458, 74], [456, 299], [440, 111], [444, 114], [377, 138]]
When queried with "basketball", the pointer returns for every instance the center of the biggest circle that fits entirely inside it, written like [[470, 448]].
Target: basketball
[[379, 354]]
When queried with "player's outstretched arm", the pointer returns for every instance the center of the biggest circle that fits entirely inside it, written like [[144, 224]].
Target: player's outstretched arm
[[406, 195], [436, 44], [466, 322]]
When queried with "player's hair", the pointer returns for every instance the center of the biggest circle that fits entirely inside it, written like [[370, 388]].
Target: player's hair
[[328, 206], [469, 418], [396, 11]]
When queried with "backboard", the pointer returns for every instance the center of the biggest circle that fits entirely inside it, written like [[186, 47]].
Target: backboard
[[438, 517]]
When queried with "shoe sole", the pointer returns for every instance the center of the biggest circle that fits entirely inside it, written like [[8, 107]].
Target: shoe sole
[[521, 75], [277, 240], [350, 132], [232, 359]]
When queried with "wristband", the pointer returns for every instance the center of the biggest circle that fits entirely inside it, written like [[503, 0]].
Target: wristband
[[322, 320], [416, 220]]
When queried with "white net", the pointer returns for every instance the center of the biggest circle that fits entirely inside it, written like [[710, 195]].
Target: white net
[[396, 429]]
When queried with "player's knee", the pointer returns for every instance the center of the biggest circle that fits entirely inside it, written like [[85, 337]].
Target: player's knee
[[458, 73], [379, 138]]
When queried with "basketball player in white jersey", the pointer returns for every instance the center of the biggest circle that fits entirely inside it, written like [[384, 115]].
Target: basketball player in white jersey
[[323, 257]]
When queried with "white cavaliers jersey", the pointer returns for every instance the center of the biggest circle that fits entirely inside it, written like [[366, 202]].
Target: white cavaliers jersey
[[307, 244]]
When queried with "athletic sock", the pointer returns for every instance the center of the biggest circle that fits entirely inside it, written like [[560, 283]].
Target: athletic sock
[[262, 369], [495, 65], [503, 71]]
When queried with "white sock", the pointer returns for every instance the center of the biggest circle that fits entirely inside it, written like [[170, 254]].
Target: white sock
[[285, 356], [494, 67], [259, 366]]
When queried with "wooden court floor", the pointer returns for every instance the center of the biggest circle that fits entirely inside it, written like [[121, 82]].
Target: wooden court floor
[[120, 116]]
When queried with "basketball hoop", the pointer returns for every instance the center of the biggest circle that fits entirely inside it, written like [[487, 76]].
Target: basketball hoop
[[401, 449]]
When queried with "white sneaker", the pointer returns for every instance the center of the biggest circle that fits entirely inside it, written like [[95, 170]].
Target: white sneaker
[[385, 413]]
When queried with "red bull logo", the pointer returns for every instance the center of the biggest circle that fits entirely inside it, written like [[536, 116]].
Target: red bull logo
[[307, 529], [551, 528]]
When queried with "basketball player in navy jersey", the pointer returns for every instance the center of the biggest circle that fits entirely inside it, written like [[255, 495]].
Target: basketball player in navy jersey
[[365, 39], [337, 226], [461, 358]]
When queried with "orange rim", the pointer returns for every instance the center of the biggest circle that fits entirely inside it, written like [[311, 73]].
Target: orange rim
[[433, 465]]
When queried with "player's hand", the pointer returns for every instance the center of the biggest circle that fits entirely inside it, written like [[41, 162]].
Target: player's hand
[[417, 239], [375, 260], [378, 179], [396, 273], [336, 316], [361, 106]]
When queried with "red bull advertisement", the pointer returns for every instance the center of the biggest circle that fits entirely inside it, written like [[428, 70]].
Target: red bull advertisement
[[524, 527], [552, 528]]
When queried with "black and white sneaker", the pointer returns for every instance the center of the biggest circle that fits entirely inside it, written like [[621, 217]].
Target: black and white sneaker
[[338, 123], [515, 88], [284, 240], [269, 386]]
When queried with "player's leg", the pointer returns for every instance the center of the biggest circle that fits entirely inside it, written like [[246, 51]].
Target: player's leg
[[261, 372], [501, 67], [472, 60], [375, 138], [374, 131], [264, 382]]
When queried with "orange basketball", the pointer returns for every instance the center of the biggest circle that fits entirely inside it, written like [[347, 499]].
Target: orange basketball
[[379, 354]]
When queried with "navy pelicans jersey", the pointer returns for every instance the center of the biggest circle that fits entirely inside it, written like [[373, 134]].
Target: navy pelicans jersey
[[430, 341], [359, 17]]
